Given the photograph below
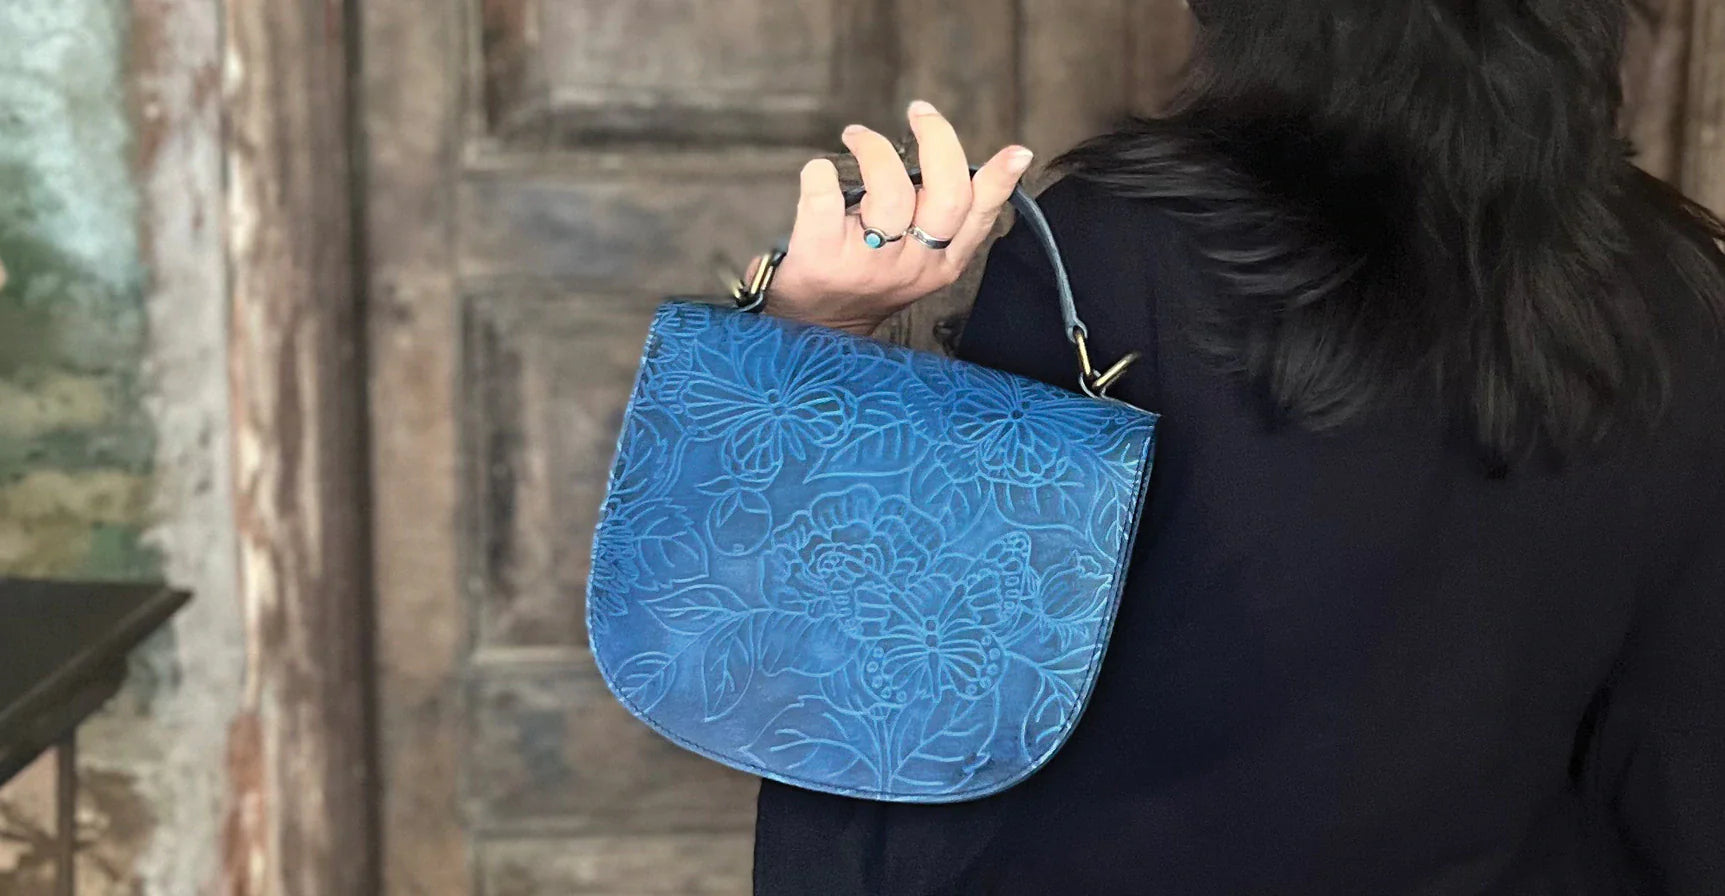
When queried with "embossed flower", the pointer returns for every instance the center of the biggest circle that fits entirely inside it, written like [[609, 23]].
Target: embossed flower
[[767, 405], [849, 547], [1073, 597]]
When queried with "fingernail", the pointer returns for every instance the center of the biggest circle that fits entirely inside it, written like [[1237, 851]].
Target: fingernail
[[1019, 162], [853, 130], [923, 107]]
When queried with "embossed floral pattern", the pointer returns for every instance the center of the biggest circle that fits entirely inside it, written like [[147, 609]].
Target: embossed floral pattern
[[857, 568], [930, 640], [762, 411]]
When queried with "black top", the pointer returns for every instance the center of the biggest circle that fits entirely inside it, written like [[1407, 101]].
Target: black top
[[1344, 664]]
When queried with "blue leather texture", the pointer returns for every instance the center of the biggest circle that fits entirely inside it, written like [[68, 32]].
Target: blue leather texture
[[858, 568]]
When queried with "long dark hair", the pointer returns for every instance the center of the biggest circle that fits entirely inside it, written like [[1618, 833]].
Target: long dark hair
[[1392, 191]]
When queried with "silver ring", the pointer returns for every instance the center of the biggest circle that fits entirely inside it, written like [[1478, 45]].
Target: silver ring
[[876, 238], [927, 239]]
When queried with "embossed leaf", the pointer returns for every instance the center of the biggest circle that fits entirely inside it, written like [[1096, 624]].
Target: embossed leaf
[[645, 679], [940, 743], [957, 504], [666, 542], [1050, 711], [727, 667], [1053, 504], [876, 451], [848, 690], [796, 642], [698, 609], [883, 440], [602, 604], [814, 739]]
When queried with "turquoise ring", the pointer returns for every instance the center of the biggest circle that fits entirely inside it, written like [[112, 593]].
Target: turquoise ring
[[876, 238]]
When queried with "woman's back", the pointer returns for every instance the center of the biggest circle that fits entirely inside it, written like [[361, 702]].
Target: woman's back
[[1430, 593], [1350, 661]]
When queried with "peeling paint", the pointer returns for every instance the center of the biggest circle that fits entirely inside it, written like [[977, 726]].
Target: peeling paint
[[113, 411], [94, 497]]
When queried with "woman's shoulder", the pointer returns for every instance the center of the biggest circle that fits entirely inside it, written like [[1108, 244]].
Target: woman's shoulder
[[1110, 243], [1098, 215], [1123, 257], [1124, 253]]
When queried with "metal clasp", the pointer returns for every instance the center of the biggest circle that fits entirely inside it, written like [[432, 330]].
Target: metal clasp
[[751, 294], [1097, 383]]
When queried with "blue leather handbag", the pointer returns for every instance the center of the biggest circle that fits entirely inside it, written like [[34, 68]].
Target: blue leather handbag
[[857, 568]]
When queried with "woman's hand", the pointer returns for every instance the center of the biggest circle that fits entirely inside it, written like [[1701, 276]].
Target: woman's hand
[[831, 277]]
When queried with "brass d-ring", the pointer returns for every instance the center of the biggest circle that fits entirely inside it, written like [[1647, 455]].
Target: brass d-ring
[[1096, 384]]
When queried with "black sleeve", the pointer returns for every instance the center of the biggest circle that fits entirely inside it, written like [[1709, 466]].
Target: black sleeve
[[1016, 325], [1661, 741]]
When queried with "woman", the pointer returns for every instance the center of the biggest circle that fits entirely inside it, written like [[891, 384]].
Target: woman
[[1430, 594]]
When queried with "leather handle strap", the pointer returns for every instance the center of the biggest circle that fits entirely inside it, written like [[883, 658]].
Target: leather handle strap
[[751, 296], [1031, 214]]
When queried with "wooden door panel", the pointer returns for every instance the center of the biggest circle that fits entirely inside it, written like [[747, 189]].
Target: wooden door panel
[[619, 149], [542, 173], [565, 73], [670, 865], [546, 377], [539, 173], [553, 753], [650, 226]]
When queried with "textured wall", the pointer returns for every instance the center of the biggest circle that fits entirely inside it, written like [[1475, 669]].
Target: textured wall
[[75, 445], [112, 410]]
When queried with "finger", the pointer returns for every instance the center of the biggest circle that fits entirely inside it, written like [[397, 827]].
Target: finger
[[820, 228], [991, 188], [891, 198], [946, 188]]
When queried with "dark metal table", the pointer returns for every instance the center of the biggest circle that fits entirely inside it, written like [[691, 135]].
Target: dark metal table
[[63, 649]]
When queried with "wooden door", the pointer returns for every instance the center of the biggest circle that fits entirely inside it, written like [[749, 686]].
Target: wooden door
[[540, 173]]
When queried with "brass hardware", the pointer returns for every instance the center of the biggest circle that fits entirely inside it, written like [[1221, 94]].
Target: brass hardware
[[1096, 384], [1084, 368], [1115, 373], [751, 295]]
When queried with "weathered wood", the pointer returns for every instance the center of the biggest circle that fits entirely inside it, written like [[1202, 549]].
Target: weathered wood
[[413, 114], [964, 58], [175, 83], [551, 752], [1655, 75], [1704, 136], [1161, 47], [541, 172], [547, 376], [684, 865], [648, 228], [1077, 70], [568, 73], [299, 466]]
